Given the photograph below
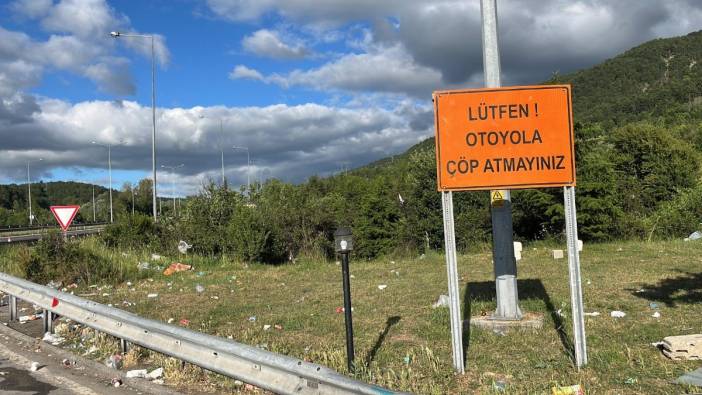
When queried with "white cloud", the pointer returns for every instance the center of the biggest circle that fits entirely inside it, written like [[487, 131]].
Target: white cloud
[[537, 36], [143, 46], [31, 8], [243, 72], [288, 142], [268, 43], [83, 18], [79, 43], [381, 70]]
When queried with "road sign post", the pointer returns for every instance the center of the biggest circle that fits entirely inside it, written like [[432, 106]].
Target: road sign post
[[453, 288], [576, 291]]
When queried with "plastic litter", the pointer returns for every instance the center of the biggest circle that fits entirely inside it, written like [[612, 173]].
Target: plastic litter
[[183, 247], [617, 314], [176, 267], [156, 257], [382, 286], [569, 390], [266, 327], [136, 374], [499, 386], [442, 302], [185, 322], [252, 318], [691, 378], [593, 314], [151, 296], [53, 338], [696, 235], [656, 315], [278, 327], [34, 366], [114, 361], [116, 382], [155, 374], [199, 288], [31, 317], [653, 305], [143, 266]]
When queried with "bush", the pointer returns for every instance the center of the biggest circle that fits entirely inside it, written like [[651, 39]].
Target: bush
[[132, 232], [679, 217], [56, 259], [247, 233]]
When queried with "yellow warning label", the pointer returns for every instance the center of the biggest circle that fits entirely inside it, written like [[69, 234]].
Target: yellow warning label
[[497, 198]]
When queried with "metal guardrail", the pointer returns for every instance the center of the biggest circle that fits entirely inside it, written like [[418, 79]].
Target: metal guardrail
[[24, 238], [22, 228], [264, 369]]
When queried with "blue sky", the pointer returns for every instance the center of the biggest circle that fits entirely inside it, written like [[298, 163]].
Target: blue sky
[[309, 86]]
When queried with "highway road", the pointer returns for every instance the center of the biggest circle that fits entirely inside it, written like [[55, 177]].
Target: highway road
[[36, 237]]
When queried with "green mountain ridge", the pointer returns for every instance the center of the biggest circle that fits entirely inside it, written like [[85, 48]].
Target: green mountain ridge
[[658, 80]]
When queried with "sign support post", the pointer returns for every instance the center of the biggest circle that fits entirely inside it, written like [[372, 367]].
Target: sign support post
[[452, 274], [505, 266], [576, 291]]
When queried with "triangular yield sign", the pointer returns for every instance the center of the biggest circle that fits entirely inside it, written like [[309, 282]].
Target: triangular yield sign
[[64, 215]]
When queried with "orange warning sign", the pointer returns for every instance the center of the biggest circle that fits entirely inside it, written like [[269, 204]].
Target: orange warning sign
[[504, 138]]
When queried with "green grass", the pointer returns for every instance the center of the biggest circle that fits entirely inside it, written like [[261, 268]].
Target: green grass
[[407, 342]]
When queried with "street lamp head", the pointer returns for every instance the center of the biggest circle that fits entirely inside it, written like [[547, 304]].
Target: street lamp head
[[343, 240], [115, 34]]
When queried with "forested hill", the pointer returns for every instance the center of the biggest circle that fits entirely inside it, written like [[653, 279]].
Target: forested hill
[[638, 129], [44, 194], [660, 78]]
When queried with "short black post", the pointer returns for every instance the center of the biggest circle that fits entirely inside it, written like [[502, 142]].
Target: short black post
[[347, 310], [343, 242]]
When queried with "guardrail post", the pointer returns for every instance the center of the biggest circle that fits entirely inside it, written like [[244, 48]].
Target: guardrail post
[[48, 321], [123, 346], [13, 308]]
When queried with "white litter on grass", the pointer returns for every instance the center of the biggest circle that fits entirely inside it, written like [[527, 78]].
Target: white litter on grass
[[443, 301], [137, 374], [266, 327], [617, 314], [656, 315], [155, 374], [382, 286], [156, 257], [34, 367], [152, 296], [593, 314], [52, 338]]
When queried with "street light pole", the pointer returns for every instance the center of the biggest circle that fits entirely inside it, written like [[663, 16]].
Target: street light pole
[[153, 111], [94, 220], [109, 170], [29, 195], [132, 201], [221, 133], [248, 165], [172, 169]]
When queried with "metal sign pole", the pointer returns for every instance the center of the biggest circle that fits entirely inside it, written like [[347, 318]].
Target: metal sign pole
[[576, 292], [347, 310], [452, 274], [505, 266]]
